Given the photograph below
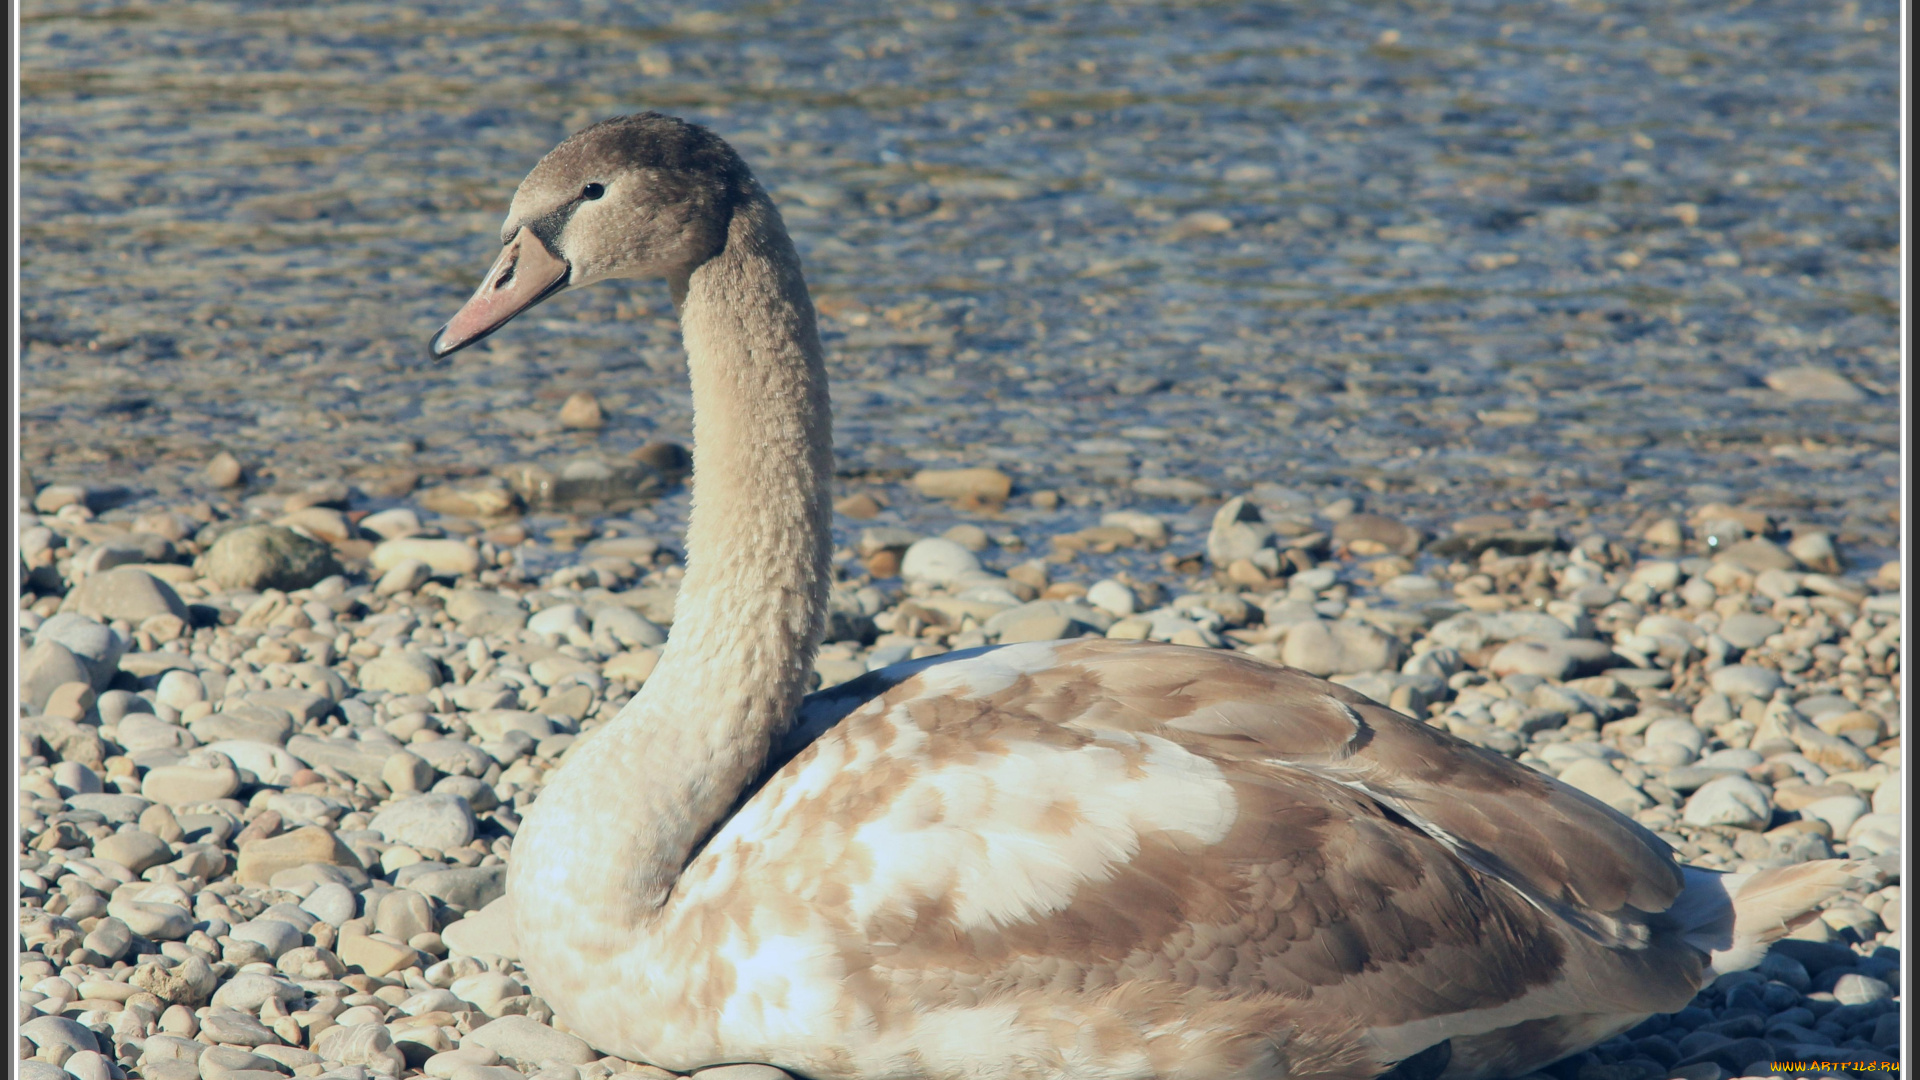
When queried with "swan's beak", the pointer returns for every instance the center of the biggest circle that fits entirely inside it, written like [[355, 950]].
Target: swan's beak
[[525, 274]]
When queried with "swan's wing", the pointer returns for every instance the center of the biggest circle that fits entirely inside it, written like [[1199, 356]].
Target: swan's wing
[[1186, 843], [1563, 849]]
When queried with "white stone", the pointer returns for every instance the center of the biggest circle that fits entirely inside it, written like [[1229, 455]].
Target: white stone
[[451, 558], [1742, 681], [432, 820], [272, 934], [627, 626], [179, 689], [1112, 596], [1677, 731], [1729, 800], [401, 671], [527, 1042], [558, 620], [937, 561], [1603, 782], [391, 524], [1838, 811]]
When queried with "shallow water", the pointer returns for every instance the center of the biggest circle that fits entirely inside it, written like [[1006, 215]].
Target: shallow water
[[1445, 259]]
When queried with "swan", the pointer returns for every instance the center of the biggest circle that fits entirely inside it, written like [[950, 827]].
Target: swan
[[1084, 858]]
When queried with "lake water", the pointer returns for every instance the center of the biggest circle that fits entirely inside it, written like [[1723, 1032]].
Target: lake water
[[1445, 258]]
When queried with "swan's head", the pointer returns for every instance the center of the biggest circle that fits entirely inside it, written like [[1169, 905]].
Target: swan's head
[[645, 196]]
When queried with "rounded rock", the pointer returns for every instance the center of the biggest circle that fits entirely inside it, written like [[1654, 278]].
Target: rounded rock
[[1855, 989], [135, 850], [332, 903], [986, 484], [269, 557], [1814, 384], [180, 785], [260, 860], [937, 561], [45, 668], [1545, 659], [1112, 596], [405, 576], [402, 671], [125, 593], [179, 689], [581, 412], [434, 820], [1742, 681], [1838, 811], [526, 1041], [628, 627], [97, 646], [1729, 800], [450, 558]]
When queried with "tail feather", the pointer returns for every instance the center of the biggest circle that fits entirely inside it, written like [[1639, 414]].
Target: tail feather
[[1734, 917]]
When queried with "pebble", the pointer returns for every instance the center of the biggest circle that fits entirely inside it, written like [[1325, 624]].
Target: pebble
[[373, 955], [51, 1031], [440, 821], [331, 903], [1113, 597], [1743, 681], [524, 1042], [224, 470], [1340, 647], [46, 667], [133, 849], [1814, 384], [99, 647], [259, 557], [581, 412], [1603, 782], [275, 936], [488, 930], [125, 593], [982, 484], [182, 785], [448, 558], [402, 671], [88, 1065], [627, 627], [261, 859], [392, 523], [1238, 532], [403, 577], [1729, 800], [1038, 626], [937, 561], [483, 611], [442, 1065], [368, 1044], [463, 888], [1368, 534], [190, 982], [1748, 630], [558, 619], [1860, 990], [1544, 659]]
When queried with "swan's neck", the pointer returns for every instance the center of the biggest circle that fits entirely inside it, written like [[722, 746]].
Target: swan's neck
[[652, 786]]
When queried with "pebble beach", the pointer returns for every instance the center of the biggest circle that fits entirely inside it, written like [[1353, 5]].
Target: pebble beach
[[1532, 371]]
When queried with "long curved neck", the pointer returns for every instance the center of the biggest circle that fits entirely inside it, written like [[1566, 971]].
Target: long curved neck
[[748, 620]]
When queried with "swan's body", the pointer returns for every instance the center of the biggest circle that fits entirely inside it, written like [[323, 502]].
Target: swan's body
[[1074, 859]]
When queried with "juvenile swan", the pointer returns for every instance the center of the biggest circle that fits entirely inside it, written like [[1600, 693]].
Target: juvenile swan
[[1063, 859]]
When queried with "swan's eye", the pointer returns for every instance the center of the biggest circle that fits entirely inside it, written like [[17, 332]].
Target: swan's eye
[[593, 191]]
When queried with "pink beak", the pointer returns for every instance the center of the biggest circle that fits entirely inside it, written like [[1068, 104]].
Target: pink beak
[[525, 274]]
